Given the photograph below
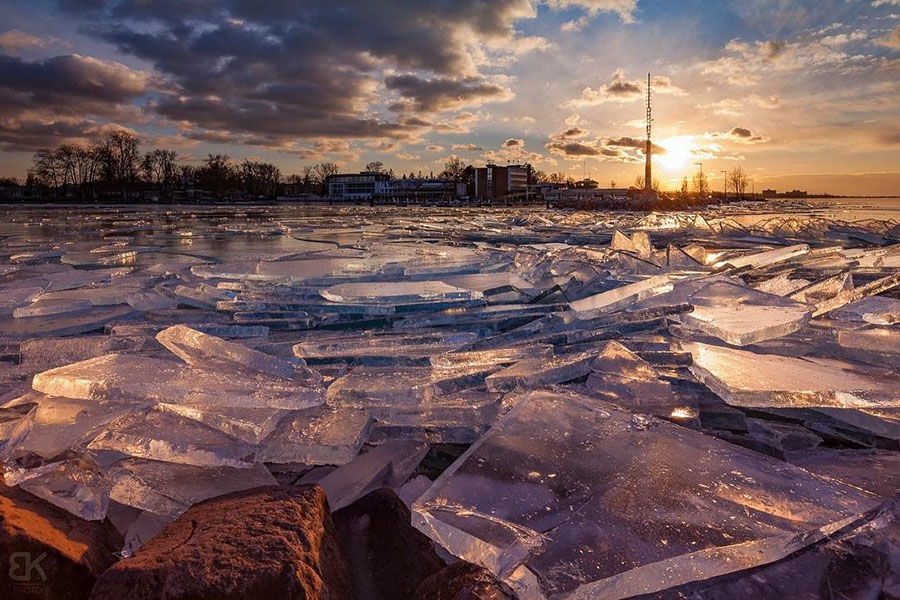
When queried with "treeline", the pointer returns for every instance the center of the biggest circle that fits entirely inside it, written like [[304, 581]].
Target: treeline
[[116, 166]]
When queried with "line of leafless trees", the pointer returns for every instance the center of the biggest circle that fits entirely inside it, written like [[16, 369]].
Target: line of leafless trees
[[115, 165]]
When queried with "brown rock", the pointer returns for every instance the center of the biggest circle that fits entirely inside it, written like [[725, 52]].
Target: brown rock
[[463, 581], [272, 542], [46, 552], [388, 557]]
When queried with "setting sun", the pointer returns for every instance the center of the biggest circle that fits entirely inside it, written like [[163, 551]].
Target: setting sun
[[678, 152]]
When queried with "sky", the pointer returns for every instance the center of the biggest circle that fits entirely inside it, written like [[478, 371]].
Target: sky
[[799, 93]]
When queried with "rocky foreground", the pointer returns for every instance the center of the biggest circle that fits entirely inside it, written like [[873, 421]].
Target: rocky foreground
[[247, 402]]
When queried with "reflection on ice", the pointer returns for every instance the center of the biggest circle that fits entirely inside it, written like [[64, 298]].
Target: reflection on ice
[[635, 391]]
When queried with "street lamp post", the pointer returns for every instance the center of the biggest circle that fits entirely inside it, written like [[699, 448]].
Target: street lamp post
[[725, 197]]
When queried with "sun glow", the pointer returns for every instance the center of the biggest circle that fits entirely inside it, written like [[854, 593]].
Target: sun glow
[[678, 154]]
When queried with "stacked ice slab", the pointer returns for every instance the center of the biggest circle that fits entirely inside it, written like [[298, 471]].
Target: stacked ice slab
[[628, 401]]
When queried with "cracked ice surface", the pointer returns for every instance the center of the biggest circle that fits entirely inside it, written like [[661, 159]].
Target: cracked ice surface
[[152, 357]]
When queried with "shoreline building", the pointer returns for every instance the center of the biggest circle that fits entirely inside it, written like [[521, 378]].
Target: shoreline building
[[493, 183], [355, 186]]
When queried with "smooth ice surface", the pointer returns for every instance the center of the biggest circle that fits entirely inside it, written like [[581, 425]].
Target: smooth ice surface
[[403, 386], [249, 424], [740, 315], [880, 310], [765, 259], [123, 377], [163, 436], [168, 489], [532, 373], [397, 292], [623, 296], [744, 378], [566, 492], [206, 351]]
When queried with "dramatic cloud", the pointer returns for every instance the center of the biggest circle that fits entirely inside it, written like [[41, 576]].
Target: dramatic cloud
[[443, 93], [276, 73], [59, 98], [621, 89], [514, 143]]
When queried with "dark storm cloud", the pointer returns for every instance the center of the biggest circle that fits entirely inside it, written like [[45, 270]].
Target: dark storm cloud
[[443, 93], [72, 83], [573, 149], [45, 101], [280, 68]]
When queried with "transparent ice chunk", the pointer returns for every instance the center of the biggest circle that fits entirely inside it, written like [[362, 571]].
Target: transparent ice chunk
[[318, 436], [740, 315], [744, 378], [397, 292], [206, 351], [77, 485], [118, 377], [168, 489], [624, 296], [164, 436], [388, 465], [532, 373], [572, 495]]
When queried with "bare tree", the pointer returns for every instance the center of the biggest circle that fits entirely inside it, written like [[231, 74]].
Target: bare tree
[[119, 157], [376, 166], [683, 192], [48, 168], [454, 169], [325, 170], [701, 185], [738, 181]]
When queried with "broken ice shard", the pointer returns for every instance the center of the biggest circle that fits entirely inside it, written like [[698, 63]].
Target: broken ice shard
[[77, 485], [317, 436], [397, 292], [571, 495], [388, 465], [740, 315], [879, 310], [765, 259], [620, 376], [118, 377], [368, 387], [536, 372], [168, 489], [249, 424], [206, 351], [61, 424], [623, 296], [744, 378], [161, 435]]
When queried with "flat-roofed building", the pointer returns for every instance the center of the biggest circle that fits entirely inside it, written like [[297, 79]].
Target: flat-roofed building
[[493, 182], [355, 186]]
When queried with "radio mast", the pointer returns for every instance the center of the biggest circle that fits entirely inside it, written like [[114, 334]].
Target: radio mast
[[648, 181]]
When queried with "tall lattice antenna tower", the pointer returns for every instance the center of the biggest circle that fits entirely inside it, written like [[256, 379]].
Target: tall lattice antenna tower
[[648, 182]]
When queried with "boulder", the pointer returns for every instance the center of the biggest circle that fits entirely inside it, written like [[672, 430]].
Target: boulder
[[268, 542], [47, 552], [463, 581], [388, 557]]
